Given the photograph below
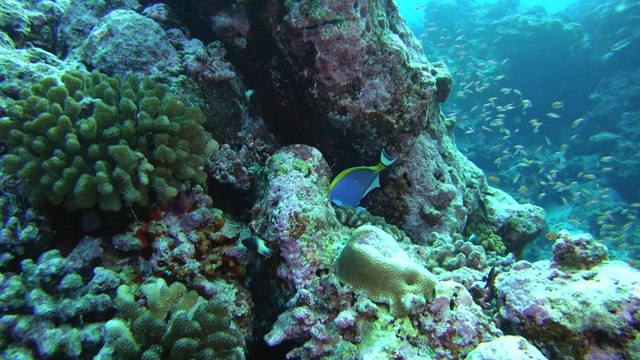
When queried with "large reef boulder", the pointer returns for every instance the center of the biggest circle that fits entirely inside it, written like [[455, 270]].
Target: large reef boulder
[[294, 213], [506, 348], [432, 189], [345, 76], [578, 312], [124, 42], [368, 74]]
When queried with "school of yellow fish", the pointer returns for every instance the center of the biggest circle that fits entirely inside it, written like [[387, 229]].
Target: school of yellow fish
[[503, 113]]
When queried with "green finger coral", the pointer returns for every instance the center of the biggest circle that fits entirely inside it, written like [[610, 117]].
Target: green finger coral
[[174, 324], [486, 237], [88, 140]]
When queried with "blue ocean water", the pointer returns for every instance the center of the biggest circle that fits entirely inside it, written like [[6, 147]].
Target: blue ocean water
[[546, 99]]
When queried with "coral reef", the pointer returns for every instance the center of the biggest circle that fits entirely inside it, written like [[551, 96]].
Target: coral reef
[[32, 22], [335, 37], [55, 307], [119, 34], [24, 232], [80, 18], [96, 140], [174, 323], [579, 251], [296, 91], [516, 224], [485, 236], [440, 185], [373, 262], [453, 324], [587, 310], [506, 348], [294, 214]]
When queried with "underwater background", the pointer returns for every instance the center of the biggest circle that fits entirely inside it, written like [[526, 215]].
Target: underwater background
[[319, 179], [536, 110]]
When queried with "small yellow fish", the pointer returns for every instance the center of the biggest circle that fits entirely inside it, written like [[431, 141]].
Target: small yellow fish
[[589, 176], [547, 140], [505, 90], [606, 159], [635, 205], [516, 178], [517, 92], [558, 104], [576, 122], [573, 137], [553, 115], [500, 77], [494, 179], [524, 189], [492, 99], [526, 103], [606, 169], [542, 196]]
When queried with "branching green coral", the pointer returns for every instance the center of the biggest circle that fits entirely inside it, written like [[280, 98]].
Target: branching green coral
[[97, 140], [195, 328]]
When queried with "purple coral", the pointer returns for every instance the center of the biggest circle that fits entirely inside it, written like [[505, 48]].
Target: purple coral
[[564, 305], [578, 251], [295, 212], [207, 63]]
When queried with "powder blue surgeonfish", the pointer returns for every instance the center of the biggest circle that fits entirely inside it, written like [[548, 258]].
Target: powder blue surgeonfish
[[351, 185]]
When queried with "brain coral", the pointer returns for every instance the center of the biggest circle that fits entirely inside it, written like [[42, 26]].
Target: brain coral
[[373, 261], [96, 140]]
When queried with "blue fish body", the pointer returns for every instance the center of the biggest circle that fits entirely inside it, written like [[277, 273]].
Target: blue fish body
[[353, 184]]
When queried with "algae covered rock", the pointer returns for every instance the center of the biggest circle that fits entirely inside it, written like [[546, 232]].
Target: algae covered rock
[[95, 140], [124, 42]]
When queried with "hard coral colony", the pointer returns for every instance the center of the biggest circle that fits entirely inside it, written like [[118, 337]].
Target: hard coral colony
[[128, 232]]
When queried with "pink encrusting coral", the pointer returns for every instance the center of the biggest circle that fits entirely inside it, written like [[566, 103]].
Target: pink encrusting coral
[[582, 306], [294, 214]]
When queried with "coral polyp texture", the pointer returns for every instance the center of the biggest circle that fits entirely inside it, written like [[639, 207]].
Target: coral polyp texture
[[175, 324], [373, 262], [88, 140]]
